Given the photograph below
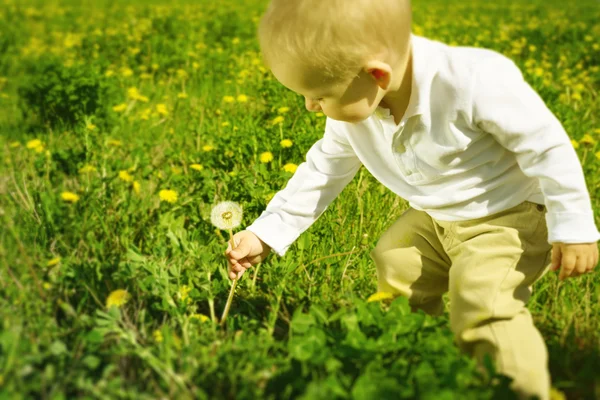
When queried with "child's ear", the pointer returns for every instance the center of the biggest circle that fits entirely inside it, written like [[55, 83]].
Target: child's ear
[[380, 72]]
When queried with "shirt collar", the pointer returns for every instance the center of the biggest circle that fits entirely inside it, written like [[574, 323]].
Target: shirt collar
[[423, 69]]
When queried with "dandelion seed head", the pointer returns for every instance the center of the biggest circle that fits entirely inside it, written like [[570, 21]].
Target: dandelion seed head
[[226, 215]]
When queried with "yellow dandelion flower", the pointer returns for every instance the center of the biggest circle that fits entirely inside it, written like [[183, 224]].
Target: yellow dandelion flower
[[283, 110], [114, 142], [207, 147], [126, 72], [33, 144], [201, 317], [242, 98], [124, 176], [226, 123], [226, 215], [575, 143], [53, 262], [235, 40], [136, 187], [145, 76], [597, 155], [86, 169], [47, 286], [197, 167], [277, 120], [290, 167], [155, 66], [266, 157], [169, 196], [228, 99], [90, 127], [379, 296], [182, 74], [588, 139], [13, 145], [268, 197], [162, 109], [576, 96], [319, 114], [69, 197], [117, 298], [286, 143], [109, 73], [182, 95], [120, 107], [183, 293], [158, 336]]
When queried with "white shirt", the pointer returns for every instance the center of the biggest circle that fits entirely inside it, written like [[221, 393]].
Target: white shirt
[[475, 140]]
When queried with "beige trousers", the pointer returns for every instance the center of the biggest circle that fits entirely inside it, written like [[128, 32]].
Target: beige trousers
[[488, 265]]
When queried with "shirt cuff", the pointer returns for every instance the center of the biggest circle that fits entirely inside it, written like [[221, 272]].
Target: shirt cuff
[[274, 232], [569, 227]]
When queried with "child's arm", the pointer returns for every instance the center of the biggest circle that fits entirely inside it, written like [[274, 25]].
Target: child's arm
[[506, 106], [330, 165]]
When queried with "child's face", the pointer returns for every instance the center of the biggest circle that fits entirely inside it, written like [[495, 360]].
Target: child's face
[[351, 101]]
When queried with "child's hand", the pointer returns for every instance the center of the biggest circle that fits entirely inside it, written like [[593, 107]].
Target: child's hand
[[575, 259], [249, 251]]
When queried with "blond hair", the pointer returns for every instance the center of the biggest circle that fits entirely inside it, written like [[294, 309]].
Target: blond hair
[[334, 36]]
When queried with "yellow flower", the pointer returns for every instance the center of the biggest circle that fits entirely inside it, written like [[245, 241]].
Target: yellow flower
[[226, 215], [283, 110], [207, 147], [169, 196], [117, 298], [575, 143], [182, 95], [184, 294], [124, 176], [176, 170], [182, 74], [90, 127], [162, 109], [134, 94], [228, 99], [53, 262], [126, 72], [277, 120], [87, 169], [286, 143], [120, 108], [136, 187], [597, 155], [226, 123], [588, 139], [379, 296], [242, 98], [556, 394], [266, 157], [290, 167], [235, 40], [229, 153], [319, 114], [268, 197], [69, 197], [197, 167], [201, 317], [158, 336], [109, 73], [33, 144]]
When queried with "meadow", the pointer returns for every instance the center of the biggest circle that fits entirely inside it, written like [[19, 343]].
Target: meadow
[[123, 123]]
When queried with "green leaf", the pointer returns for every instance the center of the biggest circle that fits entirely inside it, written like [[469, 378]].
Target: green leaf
[[302, 322], [57, 348]]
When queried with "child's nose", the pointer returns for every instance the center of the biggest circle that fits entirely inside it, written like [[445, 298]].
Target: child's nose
[[312, 105]]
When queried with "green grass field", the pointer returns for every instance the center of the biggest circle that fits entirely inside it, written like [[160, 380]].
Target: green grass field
[[123, 123]]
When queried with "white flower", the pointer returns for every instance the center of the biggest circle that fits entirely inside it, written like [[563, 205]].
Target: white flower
[[226, 215]]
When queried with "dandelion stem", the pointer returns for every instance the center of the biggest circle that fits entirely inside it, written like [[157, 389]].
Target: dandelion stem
[[230, 298], [254, 277]]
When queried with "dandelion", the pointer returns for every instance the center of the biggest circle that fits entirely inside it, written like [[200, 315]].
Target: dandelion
[[162, 110], [114, 142], [226, 123], [286, 143], [597, 155], [207, 147], [182, 95], [229, 153], [277, 120], [169, 196], [69, 197], [34, 144], [588, 139], [134, 94], [201, 317], [125, 177], [228, 99], [126, 72], [117, 298], [283, 110], [120, 107], [235, 40], [183, 294], [379, 296], [574, 143], [136, 187], [242, 98], [319, 114], [290, 167], [90, 127], [158, 336], [53, 262], [227, 215], [197, 167], [266, 157]]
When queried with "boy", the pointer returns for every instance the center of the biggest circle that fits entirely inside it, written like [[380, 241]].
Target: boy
[[458, 133]]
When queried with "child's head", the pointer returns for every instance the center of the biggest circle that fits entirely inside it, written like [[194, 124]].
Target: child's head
[[313, 46]]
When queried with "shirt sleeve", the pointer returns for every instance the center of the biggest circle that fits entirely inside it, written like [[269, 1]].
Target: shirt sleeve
[[507, 107], [330, 165]]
